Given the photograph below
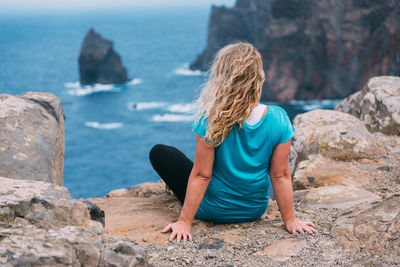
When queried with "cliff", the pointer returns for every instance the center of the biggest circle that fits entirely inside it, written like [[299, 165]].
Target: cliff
[[311, 49]]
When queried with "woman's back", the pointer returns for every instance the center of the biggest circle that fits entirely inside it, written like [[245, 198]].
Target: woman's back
[[240, 185]]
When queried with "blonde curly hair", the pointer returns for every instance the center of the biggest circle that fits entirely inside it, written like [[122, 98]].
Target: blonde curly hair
[[233, 87]]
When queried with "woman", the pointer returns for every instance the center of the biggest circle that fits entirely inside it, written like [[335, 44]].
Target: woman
[[242, 146]]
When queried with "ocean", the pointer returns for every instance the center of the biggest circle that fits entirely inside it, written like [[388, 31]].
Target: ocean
[[109, 129]]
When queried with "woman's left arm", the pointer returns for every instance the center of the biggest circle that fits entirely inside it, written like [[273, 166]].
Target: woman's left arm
[[199, 179]]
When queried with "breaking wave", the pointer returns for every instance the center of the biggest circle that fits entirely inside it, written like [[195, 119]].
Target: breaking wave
[[172, 118], [104, 126], [184, 70]]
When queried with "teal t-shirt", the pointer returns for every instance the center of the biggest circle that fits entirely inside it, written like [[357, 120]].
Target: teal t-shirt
[[240, 183]]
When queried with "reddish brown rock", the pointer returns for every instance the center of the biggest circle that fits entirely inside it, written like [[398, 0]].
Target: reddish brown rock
[[311, 49]]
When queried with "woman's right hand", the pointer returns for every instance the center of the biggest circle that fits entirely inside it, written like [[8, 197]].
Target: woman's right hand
[[180, 231]]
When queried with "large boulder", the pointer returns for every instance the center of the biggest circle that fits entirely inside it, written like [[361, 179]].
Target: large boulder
[[311, 48], [334, 197], [41, 225], [42, 204], [332, 134], [65, 246], [322, 171], [98, 62], [377, 105], [375, 229], [32, 140]]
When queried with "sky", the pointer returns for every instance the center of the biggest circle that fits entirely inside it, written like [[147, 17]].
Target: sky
[[62, 5]]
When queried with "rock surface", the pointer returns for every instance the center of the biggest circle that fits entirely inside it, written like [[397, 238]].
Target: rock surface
[[142, 190], [331, 134], [335, 197], [32, 140], [322, 171], [311, 49], [282, 249], [43, 204], [377, 105], [264, 242], [65, 246], [41, 225], [375, 229], [98, 62]]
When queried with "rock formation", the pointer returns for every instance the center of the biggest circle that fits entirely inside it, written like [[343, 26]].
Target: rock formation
[[41, 225], [375, 229], [32, 137], [332, 134], [311, 49], [98, 62], [377, 105]]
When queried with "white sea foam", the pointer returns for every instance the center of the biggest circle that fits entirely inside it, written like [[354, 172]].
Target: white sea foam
[[182, 108], [80, 90], [144, 105], [172, 118], [135, 81], [312, 107], [184, 70], [72, 84], [104, 126]]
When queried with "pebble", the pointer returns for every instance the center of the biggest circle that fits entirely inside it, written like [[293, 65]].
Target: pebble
[[210, 255]]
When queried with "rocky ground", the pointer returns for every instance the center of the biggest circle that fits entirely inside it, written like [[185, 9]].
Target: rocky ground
[[346, 177], [142, 213]]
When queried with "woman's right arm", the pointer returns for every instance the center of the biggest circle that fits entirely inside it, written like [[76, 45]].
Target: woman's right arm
[[282, 183]]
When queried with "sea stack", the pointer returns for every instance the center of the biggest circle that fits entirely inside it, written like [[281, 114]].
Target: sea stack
[[98, 62], [311, 49]]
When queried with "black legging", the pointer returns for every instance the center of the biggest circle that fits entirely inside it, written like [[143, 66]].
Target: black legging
[[173, 167]]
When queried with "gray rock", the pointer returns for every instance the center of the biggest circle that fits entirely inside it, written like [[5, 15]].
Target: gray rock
[[332, 134], [377, 105], [32, 141], [212, 243], [65, 246], [98, 62], [41, 225], [375, 229], [96, 214], [42, 204], [311, 48], [334, 197]]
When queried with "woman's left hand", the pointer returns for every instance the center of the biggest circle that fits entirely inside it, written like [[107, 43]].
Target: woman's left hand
[[180, 230], [299, 226]]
